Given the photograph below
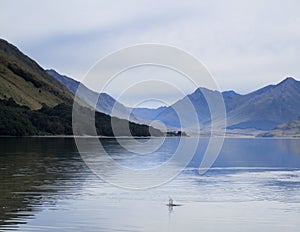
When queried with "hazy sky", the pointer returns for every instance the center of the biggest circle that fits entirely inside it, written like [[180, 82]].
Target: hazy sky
[[244, 44]]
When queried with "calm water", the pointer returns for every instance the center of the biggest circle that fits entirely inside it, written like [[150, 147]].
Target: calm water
[[254, 185]]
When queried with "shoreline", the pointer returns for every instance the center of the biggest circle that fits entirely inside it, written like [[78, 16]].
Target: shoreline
[[148, 137]]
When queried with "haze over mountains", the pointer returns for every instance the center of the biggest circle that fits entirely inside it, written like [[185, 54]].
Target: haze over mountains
[[252, 113]]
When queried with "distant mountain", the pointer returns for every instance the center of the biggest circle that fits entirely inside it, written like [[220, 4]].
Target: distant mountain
[[265, 108], [105, 103], [148, 113], [291, 129], [261, 110], [34, 103], [197, 101], [68, 82], [230, 94]]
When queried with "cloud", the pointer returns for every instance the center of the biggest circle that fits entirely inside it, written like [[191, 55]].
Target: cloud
[[151, 83], [244, 44]]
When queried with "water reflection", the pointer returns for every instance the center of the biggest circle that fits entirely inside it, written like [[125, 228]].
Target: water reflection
[[273, 153], [251, 179], [35, 173]]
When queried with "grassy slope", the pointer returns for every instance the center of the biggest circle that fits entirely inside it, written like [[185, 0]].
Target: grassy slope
[[26, 82]]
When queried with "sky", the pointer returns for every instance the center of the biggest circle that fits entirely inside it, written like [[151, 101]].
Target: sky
[[243, 44]]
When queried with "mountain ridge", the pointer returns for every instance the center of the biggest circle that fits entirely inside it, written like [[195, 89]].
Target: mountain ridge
[[104, 102], [260, 110], [273, 104], [25, 81]]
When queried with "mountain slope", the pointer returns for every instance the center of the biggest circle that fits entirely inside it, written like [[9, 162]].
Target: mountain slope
[[148, 114], [291, 129], [265, 108], [105, 103], [34, 103], [194, 103], [23, 80]]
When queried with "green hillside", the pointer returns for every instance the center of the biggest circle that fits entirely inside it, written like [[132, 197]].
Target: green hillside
[[23, 80]]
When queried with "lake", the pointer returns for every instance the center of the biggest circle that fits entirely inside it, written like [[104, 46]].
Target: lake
[[45, 185]]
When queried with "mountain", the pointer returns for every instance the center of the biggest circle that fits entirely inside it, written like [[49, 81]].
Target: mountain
[[34, 103], [23, 80], [105, 103], [291, 129], [68, 82], [170, 115], [193, 107], [265, 108], [261, 110], [229, 94], [148, 114]]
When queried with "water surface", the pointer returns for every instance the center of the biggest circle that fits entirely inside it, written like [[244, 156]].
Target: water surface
[[254, 185]]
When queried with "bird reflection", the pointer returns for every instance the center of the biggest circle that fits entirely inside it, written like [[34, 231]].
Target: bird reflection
[[171, 209]]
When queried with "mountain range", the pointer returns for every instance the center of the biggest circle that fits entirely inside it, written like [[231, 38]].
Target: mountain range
[[248, 114], [38, 101]]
